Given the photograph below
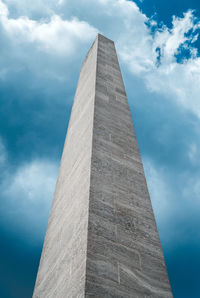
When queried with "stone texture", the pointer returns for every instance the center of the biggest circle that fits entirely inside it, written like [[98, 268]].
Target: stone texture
[[102, 239]]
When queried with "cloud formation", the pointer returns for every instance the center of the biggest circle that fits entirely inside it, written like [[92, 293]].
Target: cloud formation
[[154, 57], [150, 51], [26, 195], [56, 36]]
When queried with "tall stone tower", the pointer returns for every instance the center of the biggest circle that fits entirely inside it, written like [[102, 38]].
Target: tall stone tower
[[102, 239]]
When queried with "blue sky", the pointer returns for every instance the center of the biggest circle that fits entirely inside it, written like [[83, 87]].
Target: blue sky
[[42, 46]]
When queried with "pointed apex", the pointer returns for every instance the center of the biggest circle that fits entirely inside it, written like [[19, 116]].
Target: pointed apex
[[102, 37]]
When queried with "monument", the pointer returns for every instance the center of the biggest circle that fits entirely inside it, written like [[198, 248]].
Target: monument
[[102, 239]]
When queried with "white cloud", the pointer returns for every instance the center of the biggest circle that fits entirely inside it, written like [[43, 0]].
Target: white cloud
[[27, 195], [31, 8], [3, 10], [63, 31], [60, 2], [149, 56], [55, 36], [34, 182], [152, 58], [61, 36], [170, 40]]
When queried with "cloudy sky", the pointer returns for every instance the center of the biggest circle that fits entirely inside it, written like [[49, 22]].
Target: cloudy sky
[[42, 45]]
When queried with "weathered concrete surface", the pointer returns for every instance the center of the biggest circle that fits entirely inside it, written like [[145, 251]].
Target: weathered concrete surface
[[62, 267], [102, 239], [124, 255]]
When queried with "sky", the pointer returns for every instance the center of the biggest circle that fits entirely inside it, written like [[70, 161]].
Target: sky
[[42, 46]]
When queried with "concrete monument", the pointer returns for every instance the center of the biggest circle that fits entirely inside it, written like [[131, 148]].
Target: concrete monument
[[101, 239]]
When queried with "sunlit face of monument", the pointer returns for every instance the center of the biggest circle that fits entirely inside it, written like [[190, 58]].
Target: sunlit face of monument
[[102, 239]]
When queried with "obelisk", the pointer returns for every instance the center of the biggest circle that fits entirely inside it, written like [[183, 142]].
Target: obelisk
[[102, 239]]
